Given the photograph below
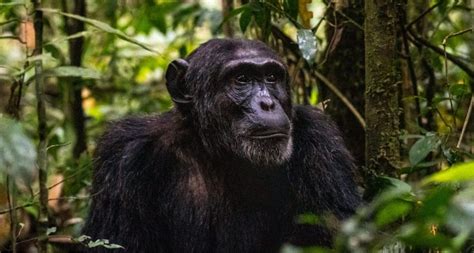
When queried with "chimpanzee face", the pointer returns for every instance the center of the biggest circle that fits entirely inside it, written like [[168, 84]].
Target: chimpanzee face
[[239, 96]]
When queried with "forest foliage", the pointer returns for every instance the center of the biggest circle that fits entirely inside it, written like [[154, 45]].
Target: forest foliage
[[92, 62]]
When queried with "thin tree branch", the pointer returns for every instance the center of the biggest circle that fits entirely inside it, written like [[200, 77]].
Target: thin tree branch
[[42, 132], [352, 21], [465, 67], [339, 94], [466, 121], [453, 34], [411, 69], [4, 211], [423, 14]]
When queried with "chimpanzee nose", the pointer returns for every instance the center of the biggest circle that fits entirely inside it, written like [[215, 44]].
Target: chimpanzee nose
[[267, 104]]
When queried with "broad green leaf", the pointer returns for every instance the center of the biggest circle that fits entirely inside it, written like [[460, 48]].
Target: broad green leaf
[[420, 150], [391, 212], [234, 13], [434, 205], [457, 173], [307, 44], [101, 26], [245, 19], [72, 71], [17, 152]]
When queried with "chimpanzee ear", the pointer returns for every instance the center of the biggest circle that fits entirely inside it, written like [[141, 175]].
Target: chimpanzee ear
[[175, 81]]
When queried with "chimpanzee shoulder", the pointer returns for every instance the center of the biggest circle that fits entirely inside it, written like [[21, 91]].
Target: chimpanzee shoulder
[[318, 143], [133, 159]]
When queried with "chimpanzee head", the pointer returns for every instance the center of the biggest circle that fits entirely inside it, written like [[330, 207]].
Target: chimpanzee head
[[236, 95]]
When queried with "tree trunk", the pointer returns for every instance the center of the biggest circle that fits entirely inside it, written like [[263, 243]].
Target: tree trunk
[[76, 50], [382, 87], [227, 6], [345, 69], [43, 220]]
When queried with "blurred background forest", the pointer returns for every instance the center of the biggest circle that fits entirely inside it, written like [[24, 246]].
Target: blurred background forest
[[396, 76]]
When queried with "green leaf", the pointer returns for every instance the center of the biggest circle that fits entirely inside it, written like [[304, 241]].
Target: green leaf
[[392, 212], [17, 152], [389, 189], [435, 204], [245, 19], [423, 147], [72, 71], [457, 173], [459, 89], [234, 13], [101, 26], [307, 44]]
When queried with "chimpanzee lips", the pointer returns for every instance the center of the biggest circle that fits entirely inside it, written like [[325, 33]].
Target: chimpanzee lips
[[269, 134]]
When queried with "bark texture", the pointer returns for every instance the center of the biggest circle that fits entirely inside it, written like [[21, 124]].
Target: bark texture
[[382, 82]]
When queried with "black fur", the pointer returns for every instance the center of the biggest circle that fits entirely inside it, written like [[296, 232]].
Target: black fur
[[168, 184]]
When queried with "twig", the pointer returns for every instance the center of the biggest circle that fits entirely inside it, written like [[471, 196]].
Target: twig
[[453, 34], [11, 37], [9, 21], [316, 27], [469, 71], [446, 76], [443, 119], [58, 145], [339, 94], [53, 239], [13, 218], [445, 41], [352, 21], [412, 73], [466, 121], [70, 198], [4, 211], [422, 15], [284, 13]]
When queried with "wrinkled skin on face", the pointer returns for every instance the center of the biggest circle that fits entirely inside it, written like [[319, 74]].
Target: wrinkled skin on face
[[238, 100]]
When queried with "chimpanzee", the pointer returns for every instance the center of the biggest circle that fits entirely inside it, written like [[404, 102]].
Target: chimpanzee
[[228, 169]]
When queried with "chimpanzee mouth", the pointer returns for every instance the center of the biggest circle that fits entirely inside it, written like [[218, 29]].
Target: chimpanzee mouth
[[269, 134]]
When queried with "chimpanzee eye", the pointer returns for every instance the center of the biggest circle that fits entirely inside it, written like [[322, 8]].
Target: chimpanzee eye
[[270, 78], [243, 79]]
